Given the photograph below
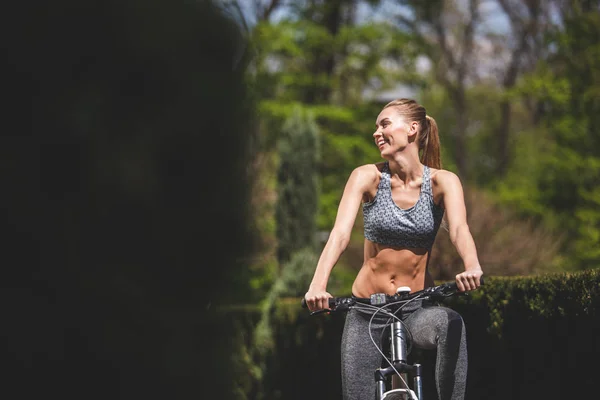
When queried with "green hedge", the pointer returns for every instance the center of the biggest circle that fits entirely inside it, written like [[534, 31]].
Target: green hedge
[[528, 338], [535, 337]]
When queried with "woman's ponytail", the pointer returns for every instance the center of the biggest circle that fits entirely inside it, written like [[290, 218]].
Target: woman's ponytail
[[429, 144]]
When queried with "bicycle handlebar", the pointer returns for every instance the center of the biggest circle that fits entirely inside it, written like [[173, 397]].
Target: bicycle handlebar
[[440, 291]]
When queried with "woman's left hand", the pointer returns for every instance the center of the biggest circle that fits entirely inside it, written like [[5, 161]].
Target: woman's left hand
[[469, 280]]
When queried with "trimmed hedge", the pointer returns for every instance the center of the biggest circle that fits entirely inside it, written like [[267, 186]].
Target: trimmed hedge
[[528, 338]]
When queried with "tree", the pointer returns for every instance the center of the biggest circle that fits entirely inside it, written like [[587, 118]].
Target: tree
[[297, 184], [446, 31], [568, 89]]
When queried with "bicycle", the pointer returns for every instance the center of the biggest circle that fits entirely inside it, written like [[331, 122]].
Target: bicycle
[[399, 337]]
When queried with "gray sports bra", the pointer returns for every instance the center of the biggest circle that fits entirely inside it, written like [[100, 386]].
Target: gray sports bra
[[415, 227]]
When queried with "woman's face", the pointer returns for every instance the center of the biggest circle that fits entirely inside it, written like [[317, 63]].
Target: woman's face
[[391, 132]]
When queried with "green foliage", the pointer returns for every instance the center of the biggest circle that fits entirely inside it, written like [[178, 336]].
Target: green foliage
[[549, 296], [263, 266], [361, 68], [567, 88], [345, 142], [295, 277], [542, 327], [297, 189], [317, 62], [519, 189]]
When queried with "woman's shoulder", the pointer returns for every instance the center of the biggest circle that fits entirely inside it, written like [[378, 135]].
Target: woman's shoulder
[[443, 177], [368, 173], [370, 169]]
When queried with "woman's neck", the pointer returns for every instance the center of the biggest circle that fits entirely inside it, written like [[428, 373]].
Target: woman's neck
[[407, 168]]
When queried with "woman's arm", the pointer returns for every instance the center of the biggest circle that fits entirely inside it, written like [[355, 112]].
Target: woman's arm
[[460, 235], [358, 183]]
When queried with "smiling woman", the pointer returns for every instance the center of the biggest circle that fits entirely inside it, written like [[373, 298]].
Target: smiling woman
[[428, 140], [404, 200]]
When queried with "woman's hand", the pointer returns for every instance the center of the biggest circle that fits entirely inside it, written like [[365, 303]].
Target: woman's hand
[[469, 280], [317, 299]]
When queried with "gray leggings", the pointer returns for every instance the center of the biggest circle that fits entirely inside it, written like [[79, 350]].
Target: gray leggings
[[432, 327]]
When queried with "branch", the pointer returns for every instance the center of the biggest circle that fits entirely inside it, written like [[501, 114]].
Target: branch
[[440, 30], [266, 13], [512, 12], [469, 34]]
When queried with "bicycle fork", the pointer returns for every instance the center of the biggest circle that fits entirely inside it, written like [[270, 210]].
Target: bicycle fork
[[399, 355]]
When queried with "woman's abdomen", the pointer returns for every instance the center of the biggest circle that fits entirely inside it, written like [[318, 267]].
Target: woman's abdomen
[[385, 269]]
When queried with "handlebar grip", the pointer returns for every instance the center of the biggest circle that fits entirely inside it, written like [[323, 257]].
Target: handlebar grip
[[331, 302], [452, 285]]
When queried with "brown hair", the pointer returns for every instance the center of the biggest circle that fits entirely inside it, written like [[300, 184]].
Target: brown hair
[[427, 136]]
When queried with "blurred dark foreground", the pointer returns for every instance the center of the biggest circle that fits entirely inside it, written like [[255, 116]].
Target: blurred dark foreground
[[125, 130]]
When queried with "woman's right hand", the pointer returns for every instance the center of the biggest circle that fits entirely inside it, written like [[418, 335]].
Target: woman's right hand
[[317, 299]]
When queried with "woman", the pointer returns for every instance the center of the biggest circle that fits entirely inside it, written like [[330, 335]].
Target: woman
[[404, 200]]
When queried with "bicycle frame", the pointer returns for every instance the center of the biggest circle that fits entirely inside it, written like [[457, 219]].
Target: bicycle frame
[[399, 354]]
